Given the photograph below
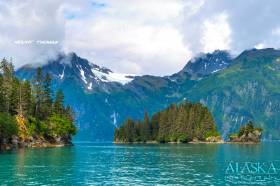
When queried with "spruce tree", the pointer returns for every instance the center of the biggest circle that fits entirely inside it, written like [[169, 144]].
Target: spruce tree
[[7, 70], [2, 96], [58, 107], [25, 103], [147, 129], [46, 96], [14, 99], [155, 125], [38, 91], [69, 113]]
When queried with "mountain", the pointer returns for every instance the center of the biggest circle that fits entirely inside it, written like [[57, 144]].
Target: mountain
[[101, 98], [206, 64], [81, 71], [247, 90], [234, 89]]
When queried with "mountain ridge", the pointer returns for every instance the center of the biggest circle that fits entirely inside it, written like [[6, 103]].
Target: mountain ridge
[[111, 102]]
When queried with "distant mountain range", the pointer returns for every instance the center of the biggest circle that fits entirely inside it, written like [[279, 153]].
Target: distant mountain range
[[235, 90]]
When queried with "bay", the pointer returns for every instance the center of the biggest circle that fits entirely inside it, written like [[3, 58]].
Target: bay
[[143, 164]]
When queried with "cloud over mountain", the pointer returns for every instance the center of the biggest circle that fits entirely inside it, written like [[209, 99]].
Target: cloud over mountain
[[141, 37]]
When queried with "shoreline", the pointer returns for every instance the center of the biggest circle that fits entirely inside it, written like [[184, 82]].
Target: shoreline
[[7, 147], [191, 142]]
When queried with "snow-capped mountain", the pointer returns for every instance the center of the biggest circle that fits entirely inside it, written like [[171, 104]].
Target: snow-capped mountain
[[209, 63], [234, 89], [95, 78], [101, 98], [89, 75]]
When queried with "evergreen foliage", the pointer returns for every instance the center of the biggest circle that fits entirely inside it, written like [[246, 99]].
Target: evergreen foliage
[[44, 116], [177, 123], [248, 128], [8, 126]]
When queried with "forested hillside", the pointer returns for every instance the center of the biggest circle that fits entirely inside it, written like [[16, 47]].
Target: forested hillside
[[236, 90], [29, 114]]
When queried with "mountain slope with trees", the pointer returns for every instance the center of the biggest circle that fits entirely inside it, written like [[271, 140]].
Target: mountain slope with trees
[[248, 90], [234, 89], [29, 114]]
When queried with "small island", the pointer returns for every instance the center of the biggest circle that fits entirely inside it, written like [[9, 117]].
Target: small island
[[29, 115], [247, 134], [183, 123]]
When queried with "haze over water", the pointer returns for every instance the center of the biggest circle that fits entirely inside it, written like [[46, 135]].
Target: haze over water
[[164, 164]]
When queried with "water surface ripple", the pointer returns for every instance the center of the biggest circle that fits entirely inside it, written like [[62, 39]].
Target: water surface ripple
[[109, 164]]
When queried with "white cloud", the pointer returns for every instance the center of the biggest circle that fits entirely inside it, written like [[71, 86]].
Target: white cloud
[[142, 36], [30, 20], [259, 46], [276, 31], [216, 33], [240, 24], [131, 36]]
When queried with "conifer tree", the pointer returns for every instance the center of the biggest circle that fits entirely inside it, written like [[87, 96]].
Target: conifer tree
[[14, 97], [38, 91], [58, 103], [147, 129], [69, 113], [2, 96], [7, 70], [25, 103], [46, 97], [155, 126]]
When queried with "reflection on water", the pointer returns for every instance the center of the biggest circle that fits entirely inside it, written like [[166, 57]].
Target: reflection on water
[[93, 163]]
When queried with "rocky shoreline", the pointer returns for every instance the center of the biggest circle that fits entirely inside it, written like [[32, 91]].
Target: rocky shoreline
[[253, 139], [191, 142], [16, 142]]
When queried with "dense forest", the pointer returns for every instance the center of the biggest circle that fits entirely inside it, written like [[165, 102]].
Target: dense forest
[[29, 111], [178, 123]]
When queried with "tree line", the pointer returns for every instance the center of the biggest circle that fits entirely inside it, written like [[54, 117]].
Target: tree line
[[44, 114], [178, 123]]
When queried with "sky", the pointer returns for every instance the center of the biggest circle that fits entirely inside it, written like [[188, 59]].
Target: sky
[[155, 37]]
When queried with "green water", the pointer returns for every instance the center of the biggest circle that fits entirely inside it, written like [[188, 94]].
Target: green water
[[166, 164]]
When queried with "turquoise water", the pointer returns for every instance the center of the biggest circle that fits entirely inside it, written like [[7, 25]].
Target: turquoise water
[[166, 164]]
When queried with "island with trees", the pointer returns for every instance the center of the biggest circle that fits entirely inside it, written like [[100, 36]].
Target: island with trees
[[247, 133], [183, 123], [30, 116]]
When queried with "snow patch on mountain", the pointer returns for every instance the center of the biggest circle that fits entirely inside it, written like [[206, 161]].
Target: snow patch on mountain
[[89, 86], [112, 76], [61, 76], [83, 75], [216, 71], [114, 118]]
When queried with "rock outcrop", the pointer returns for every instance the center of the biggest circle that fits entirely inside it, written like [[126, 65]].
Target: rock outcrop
[[247, 134]]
